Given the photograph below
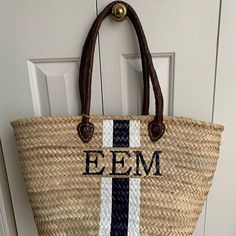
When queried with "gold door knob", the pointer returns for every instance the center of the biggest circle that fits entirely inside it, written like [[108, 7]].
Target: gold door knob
[[119, 11]]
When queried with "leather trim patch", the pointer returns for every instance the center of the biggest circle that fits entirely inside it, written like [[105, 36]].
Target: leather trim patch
[[85, 131], [156, 130]]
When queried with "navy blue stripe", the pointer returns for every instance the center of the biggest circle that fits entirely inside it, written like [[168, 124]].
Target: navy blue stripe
[[120, 133], [120, 207], [120, 186]]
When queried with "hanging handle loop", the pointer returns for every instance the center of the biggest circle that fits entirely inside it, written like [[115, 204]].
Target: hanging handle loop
[[85, 128]]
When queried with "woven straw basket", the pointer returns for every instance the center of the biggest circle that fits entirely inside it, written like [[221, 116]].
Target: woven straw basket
[[117, 175]]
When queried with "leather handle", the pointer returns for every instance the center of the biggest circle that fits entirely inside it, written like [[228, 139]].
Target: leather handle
[[146, 86], [85, 129]]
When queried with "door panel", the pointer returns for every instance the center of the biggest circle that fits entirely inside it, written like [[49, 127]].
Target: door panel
[[185, 29], [55, 90], [131, 85], [40, 45]]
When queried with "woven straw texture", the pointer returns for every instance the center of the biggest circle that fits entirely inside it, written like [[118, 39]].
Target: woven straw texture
[[67, 202]]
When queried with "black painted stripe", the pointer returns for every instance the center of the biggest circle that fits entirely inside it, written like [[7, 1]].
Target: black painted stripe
[[121, 133], [120, 207], [120, 186]]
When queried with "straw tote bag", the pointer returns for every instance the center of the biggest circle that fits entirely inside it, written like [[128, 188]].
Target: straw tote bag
[[117, 175]]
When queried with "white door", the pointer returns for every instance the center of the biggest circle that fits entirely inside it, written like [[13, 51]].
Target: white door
[[41, 42]]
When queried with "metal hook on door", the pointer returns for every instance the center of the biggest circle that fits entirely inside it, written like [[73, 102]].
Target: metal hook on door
[[119, 12]]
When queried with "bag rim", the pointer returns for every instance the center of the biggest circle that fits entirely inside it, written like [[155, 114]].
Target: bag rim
[[167, 120]]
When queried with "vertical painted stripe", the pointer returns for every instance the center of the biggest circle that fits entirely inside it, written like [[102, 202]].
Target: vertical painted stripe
[[121, 133], [134, 133], [120, 207], [134, 207], [106, 203], [120, 197], [107, 133]]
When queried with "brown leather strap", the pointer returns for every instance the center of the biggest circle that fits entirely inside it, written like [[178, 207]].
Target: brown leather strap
[[146, 87], [156, 127]]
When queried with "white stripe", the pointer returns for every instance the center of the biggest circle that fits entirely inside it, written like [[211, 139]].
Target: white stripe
[[106, 207], [134, 133], [107, 133], [134, 207]]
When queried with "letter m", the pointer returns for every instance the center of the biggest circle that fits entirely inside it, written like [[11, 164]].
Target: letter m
[[148, 166]]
